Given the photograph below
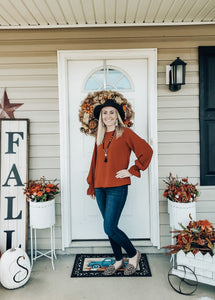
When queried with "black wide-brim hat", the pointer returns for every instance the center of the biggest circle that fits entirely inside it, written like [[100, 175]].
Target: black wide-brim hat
[[109, 102]]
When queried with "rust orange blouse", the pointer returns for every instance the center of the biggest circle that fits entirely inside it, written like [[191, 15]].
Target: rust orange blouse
[[103, 174]]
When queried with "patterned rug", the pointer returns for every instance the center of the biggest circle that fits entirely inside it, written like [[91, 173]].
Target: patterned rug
[[93, 265]]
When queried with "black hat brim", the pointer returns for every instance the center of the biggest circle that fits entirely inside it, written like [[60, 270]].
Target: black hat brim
[[111, 103]]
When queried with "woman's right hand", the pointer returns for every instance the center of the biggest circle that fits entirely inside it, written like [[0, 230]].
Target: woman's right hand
[[93, 197]]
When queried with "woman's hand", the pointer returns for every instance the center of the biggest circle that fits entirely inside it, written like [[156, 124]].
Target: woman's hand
[[123, 174], [93, 197]]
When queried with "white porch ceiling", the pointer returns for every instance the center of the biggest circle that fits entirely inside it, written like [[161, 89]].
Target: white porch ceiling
[[22, 14]]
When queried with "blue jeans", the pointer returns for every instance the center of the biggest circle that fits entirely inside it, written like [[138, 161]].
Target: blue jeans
[[111, 202]]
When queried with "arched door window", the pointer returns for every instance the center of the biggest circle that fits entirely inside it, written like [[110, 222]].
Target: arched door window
[[108, 78]]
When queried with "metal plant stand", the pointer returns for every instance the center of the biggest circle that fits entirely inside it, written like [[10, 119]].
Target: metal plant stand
[[42, 216], [35, 253]]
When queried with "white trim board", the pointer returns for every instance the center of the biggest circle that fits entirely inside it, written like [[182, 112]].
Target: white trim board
[[63, 58], [67, 26]]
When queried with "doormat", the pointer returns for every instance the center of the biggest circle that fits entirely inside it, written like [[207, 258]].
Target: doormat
[[93, 265]]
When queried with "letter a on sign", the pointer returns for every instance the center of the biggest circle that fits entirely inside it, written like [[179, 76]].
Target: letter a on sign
[[14, 138]]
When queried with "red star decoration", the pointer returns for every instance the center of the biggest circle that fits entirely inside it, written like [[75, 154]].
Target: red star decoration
[[6, 108]]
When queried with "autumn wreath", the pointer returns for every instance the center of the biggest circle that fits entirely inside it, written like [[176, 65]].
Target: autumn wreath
[[86, 116]]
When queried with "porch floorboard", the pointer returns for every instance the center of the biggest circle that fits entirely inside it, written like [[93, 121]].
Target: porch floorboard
[[48, 284]]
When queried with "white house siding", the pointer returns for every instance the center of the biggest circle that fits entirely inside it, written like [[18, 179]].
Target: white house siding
[[28, 69]]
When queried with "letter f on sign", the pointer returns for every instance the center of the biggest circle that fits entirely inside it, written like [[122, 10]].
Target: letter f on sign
[[11, 141]]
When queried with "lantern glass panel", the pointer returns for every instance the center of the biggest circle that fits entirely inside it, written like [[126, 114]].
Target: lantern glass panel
[[179, 74]]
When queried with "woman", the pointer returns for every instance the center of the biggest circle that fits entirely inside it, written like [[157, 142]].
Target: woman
[[109, 177]]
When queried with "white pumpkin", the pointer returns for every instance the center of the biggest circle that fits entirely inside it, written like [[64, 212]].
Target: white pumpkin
[[15, 268]]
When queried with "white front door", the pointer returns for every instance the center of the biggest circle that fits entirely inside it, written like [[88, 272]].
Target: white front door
[[80, 216], [86, 221]]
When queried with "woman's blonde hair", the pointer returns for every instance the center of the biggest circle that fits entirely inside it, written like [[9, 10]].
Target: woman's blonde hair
[[102, 129]]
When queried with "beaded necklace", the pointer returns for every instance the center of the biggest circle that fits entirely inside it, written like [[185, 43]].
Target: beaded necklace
[[106, 151]]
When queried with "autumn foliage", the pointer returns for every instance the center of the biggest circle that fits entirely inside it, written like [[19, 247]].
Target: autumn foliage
[[41, 190], [197, 236], [180, 190]]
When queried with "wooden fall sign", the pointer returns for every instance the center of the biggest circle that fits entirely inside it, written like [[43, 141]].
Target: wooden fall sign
[[14, 137]]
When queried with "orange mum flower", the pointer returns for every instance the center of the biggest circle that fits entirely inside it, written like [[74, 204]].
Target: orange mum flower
[[88, 108], [50, 185], [41, 190]]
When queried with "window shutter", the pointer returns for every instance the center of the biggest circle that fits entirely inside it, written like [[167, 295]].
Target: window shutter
[[207, 114]]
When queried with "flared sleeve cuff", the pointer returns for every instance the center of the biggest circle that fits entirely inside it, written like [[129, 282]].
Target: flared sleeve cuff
[[134, 170], [90, 190]]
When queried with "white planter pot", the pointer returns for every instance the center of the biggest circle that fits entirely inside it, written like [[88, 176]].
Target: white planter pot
[[179, 213], [202, 265], [42, 214]]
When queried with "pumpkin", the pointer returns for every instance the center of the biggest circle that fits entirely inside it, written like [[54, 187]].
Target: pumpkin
[[15, 268]]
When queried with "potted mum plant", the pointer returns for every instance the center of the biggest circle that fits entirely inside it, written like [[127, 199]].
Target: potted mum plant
[[41, 197], [195, 248], [181, 196]]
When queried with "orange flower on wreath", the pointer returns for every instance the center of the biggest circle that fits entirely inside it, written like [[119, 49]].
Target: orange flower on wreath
[[124, 107], [88, 108], [93, 124], [128, 123]]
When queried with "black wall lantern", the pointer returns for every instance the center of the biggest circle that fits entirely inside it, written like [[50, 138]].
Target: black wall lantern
[[177, 74]]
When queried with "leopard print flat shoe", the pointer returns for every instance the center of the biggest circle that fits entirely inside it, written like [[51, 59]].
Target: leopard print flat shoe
[[131, 269], [111, 270]]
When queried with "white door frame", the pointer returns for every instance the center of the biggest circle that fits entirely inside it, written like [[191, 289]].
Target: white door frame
[[63, 58]]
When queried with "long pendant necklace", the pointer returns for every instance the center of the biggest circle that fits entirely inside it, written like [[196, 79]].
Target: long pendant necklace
[[105, 151]]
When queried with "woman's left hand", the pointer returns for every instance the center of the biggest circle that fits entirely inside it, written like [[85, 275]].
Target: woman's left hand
[[123, 174]]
